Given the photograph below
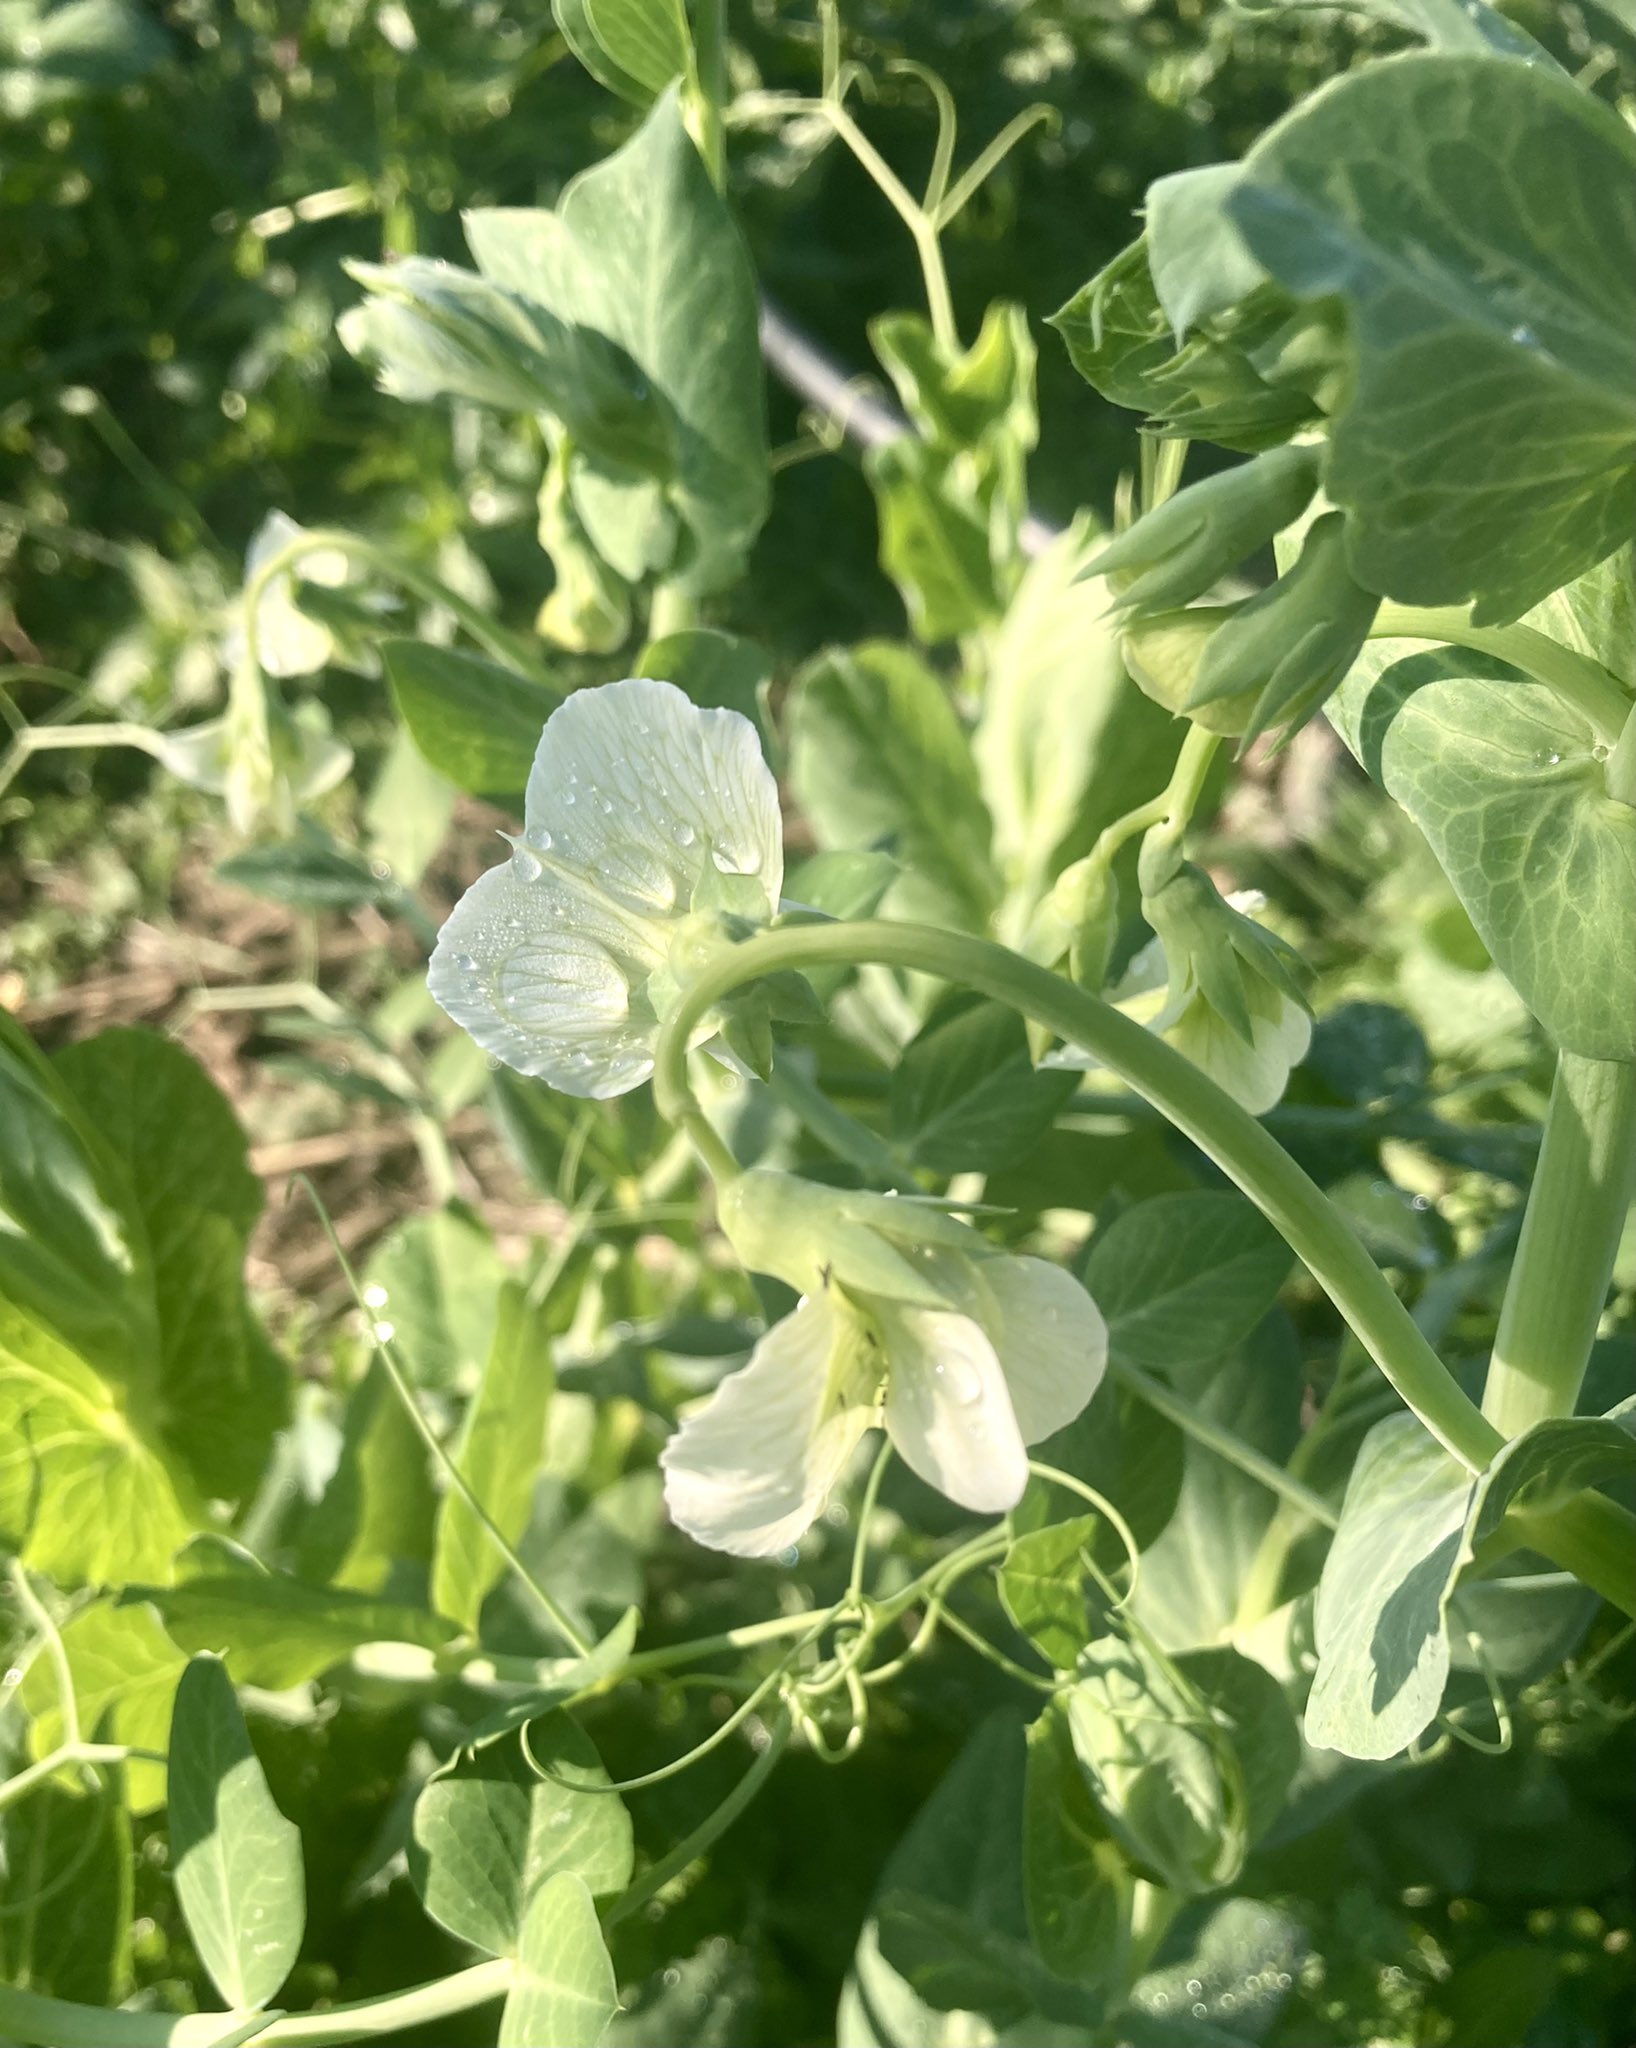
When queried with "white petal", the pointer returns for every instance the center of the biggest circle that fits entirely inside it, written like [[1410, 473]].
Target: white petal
[[1254, 1074], [637, 787], [289, 643], [948, 1410], [751, 1470], [545, 978], [1051, 1340]]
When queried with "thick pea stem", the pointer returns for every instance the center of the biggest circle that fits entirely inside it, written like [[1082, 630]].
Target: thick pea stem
[[1570, 1234]]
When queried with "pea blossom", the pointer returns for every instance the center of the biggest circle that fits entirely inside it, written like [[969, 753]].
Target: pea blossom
[[647, 823], [908, 1319]]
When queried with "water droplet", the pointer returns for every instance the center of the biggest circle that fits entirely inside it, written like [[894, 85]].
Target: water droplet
[[1194, 1987], [383, 1332], [568, 796], [375, 1295], [543, 841], [465, 963], [1525, 337], [1200, 2010], [671, 1978], [960, 1379], [685, 835]]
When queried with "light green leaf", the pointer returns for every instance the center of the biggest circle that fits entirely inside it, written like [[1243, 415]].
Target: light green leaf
[[1504, 779], [475, 722], [437, 1281], [275, 1630], [573, 19], [565, 1991], [643, 250], [1064, 742], [934, 538], [489, 1833], [877, 754], [82, 1497], [966, 1096], [1478, 218], [309, 872], [1042, 1586], [378, 1506], [646, 39], [502, 1440], [1194, 1573], [236, 1859], [217, 1390], [125, 1671], [1383, 1656], [66, 1894], [1183, 1278], [1239, 1964]]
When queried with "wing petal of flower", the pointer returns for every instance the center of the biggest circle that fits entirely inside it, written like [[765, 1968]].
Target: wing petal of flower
[[1051, 1341], [947, 1408]]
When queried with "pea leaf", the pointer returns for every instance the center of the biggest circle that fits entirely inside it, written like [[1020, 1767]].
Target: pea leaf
[[236, 1859], [1072, 1870], [646, 40], [475, 722], [498, 1453], [1182, 1278], [436, 1280], [565, 1991], [66, 1894], [1504, 779], [489, 1832], [1043, 1588], [877, 754], [1238, 1960], [125, 1671], [717, 670], [1478, 218], [966, 1096]]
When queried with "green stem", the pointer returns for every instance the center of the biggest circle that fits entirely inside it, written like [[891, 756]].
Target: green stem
[[1165, 1401], [1225, 1133], [1590, 1536], [54, 2023], [710, 42], [1581, 682], [1570, 1233], [69, 1753]]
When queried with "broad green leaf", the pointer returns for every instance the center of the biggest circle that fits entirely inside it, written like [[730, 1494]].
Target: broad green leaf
[[436, 1280], [217, 1390], [475, 722], [275, 1630], [235, 1858], [716, 670], [489, 1832], [646, 39], [70, 1254], [877, 757], [1595, 614], [1478, 218], [1239, 1961], [1194, 1574], [1250, 1708], [1383, 1656], [1505, 780], [573, 19], [643, 250], [1128, 1453], [565, 1991], [1042, 1586], [66, 1894], [948, 1932], [966, 1096], [311, 872], [1182, 1278], [82, 1497], [125, 1671], [378, 1506], [1411, 1521], [1072, 1870], [1064, 742], [1166, 1780], [501, 1443]]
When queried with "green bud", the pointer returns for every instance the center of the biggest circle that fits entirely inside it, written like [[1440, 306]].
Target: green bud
[[1164, 653], [1078, 920], [809, 1235], [1209, 946], [1181, 548], [1296, 641], [1164, 1775]]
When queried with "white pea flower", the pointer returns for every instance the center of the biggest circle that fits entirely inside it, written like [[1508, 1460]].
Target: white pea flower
[[1221, 990], [646, 821], [908, 1319], [287, 641]]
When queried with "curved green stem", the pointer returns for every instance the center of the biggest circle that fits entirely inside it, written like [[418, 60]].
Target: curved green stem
[[1226, 1134], [1570, 1235], [1581, 682]]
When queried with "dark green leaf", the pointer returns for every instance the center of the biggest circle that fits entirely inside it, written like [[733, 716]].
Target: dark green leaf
[[475, 722], [1183, 1278], [66, 1894], [311, 873], [565, 1991], [966, 1096], [1073, 1871]]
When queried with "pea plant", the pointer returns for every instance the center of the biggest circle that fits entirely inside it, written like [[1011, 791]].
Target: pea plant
[[1047, 1396]]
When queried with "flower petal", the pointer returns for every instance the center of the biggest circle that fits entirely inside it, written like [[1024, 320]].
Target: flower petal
[[948, 1410], [636, 788], [1051, 1340], [1254, 1074], [289, 643], [751, 1470], [543, 977]]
